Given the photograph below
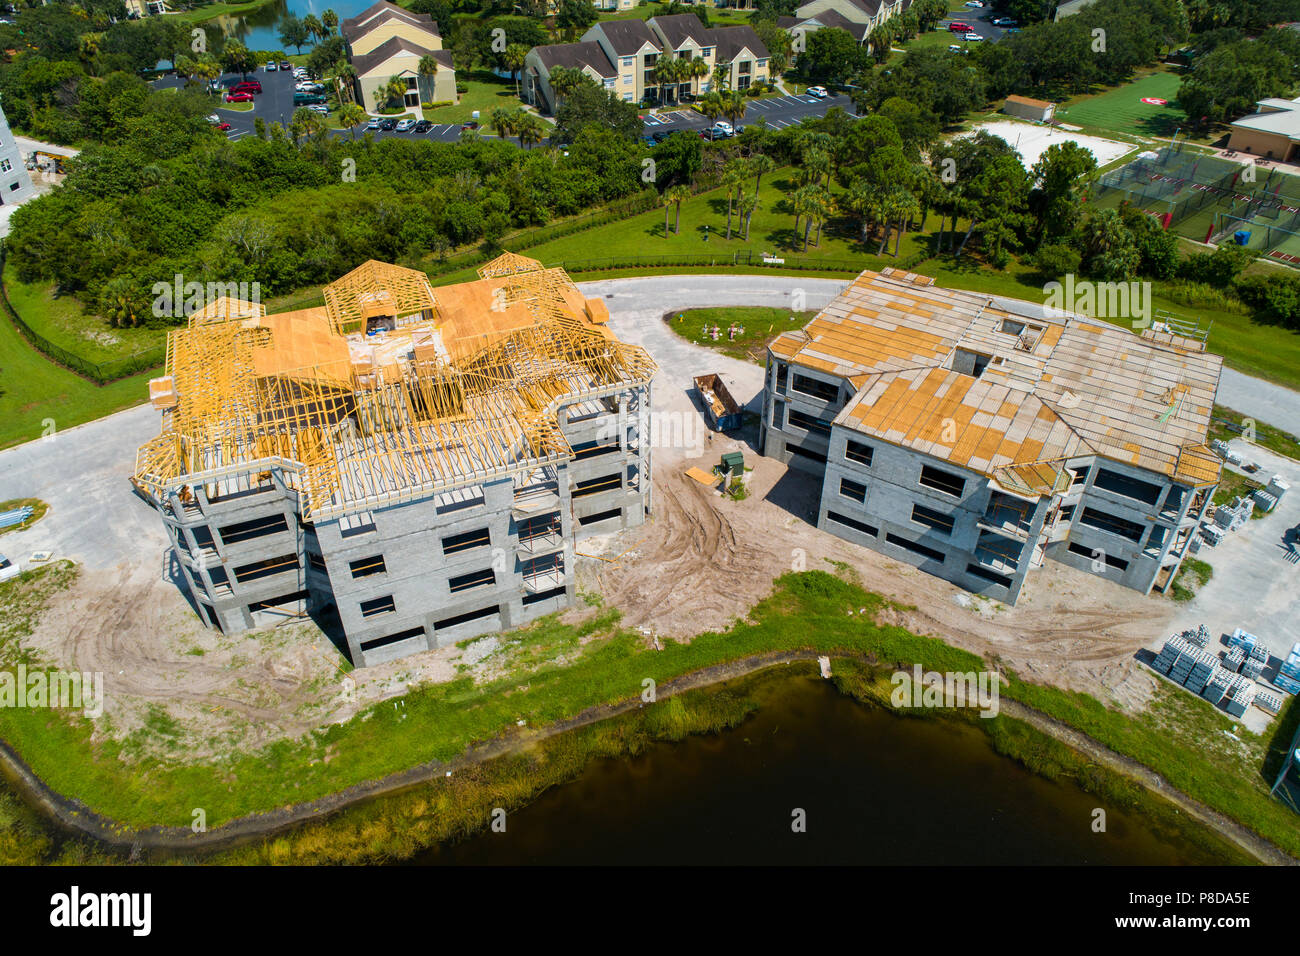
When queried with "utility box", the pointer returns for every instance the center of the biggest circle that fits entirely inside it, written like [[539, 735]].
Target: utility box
[[733, 463]]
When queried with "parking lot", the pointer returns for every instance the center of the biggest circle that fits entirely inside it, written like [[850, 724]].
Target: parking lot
[[980, 20], [777, 112]]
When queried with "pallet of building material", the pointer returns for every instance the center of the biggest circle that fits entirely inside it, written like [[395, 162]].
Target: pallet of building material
[[1196, 638], [1232, 660], [1252, 668], [1277, 487], [1240, 636], [1287, 684], [1216, 687], [1169, 654], [706, 478], [1258, 652], [1291, 666], [1263, 500], [1241, 702], [1220, 447], [1268, 702]]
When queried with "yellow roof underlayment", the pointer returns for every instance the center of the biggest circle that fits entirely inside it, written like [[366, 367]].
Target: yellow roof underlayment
[[1060, 387], [457, 385]]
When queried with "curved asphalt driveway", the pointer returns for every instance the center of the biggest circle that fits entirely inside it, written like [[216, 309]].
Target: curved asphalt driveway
[[1256, 397], [83, 472]]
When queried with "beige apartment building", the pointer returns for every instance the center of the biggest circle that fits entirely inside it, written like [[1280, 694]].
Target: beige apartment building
[[621, 55], [386, 40]]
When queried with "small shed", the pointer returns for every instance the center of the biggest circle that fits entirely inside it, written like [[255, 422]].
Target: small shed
[[1040, 111]]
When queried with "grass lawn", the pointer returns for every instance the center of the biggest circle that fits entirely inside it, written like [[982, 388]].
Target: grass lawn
[[1233, 485], [1122, 110], [1178, 737], [1193, 574], [235, 107], [771, 230], [211, 11], [36, 395], [38, 512], [1270, 436], [758, 326], [62, 320], [484, 91], [644, 11]]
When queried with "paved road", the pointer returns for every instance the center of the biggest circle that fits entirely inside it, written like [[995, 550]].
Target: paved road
[[778, 112]]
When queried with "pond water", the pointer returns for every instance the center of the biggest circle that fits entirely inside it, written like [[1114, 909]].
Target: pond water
[[260, 30], [875, 788]]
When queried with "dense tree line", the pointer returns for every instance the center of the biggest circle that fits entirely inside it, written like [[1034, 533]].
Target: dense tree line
[[170, 195]]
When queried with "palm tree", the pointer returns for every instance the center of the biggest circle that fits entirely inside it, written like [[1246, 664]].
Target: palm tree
[[747, 206], [665, 72], [698, 70], [427, 67], [710, 104], [529, 129], [207, 69], [305, 122], [346, 76], [815, 163], [859, 202], [351, 115], [394, 89], [734, 178], [667, 201], [514, 57], [905, 207], [564, 80], [759, 165], [503, 121], [721, 77], [329, 20], [678, 195], [800, 202], [733, 107], [315, 29]]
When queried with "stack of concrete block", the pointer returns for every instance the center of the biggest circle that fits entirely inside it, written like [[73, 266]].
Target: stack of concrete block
[[1268, 702], [1263, 500], [1240, 636], [1258, 652], [1288, 675], [1252, 668], [1203, 668], [1233, 659], [1220, 447], [1243, 695], [1277, 487], [1217, 686], [1174, 653]]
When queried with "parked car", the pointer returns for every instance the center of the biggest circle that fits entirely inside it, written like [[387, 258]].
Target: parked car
[[973, 4], [239, 97], [958, 27], [286, 66], [222, 127], [423, 126], [818, 91], [247, 86], [1004, 22], [8, 569], [721, 130], [954, 48], [374, 123], [660, 135], [472, 124], [214, 119], [405, 126], [309, 86], [389, 124], [272, 67], [320, 108], [972, 37], [307, 99], [648, 141]]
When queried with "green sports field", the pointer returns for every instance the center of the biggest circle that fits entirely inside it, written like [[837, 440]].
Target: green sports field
[[1123, 111]]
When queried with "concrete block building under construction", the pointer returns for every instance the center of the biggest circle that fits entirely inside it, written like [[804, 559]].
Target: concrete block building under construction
[[974, 439], [420, 461]]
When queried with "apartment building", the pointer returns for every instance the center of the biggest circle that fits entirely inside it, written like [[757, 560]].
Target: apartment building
[[857, 17], [385, 41], [15, 182], [621, 55], [976, 438], [408, 467]]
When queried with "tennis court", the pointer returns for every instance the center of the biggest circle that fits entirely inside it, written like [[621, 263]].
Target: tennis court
[[1205, 197]]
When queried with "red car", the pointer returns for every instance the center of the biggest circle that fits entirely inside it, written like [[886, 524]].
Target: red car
[[223, 127], [239, 97], [959, 27], [247, 86]]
